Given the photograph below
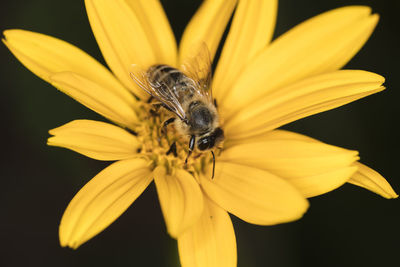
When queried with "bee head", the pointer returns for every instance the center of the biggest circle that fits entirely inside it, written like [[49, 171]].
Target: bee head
[[209, 141]]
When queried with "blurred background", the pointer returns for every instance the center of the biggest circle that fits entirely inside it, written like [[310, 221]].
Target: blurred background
[[347, 227]]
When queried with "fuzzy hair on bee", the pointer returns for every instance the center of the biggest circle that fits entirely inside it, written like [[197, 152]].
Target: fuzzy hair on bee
[[187, 95]]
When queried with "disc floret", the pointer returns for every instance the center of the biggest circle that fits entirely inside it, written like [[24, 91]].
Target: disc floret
[[156, 142]]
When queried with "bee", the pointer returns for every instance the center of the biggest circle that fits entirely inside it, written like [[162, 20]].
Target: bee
[[187, 95]]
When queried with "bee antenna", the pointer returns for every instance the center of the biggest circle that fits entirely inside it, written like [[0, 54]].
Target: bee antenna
[[212, 153]]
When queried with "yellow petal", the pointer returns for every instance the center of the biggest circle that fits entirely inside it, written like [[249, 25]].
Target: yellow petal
[[96, 97], [133, 32], [95, 139], [270, 136], [45, 56], [180, 198], [316, 185], [314, 168], [155, 24], [322, 44], [371, 180], [251, 30], [364, 176], [253, 195], [207, 25], [304, 98], [275, 135], [102, 200], [211, 241]]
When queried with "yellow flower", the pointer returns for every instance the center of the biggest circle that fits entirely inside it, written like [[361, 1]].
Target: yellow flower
[[263, 175]]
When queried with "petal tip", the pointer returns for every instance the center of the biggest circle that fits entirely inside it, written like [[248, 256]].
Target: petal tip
[[299, 211], [362, 10], [6, 33], [4, 40], [372, 21], [381, 79], [52, 131], [373, 77], [10, 33], [304, 208], [375, 17], [390, 193], [49, 141], [62, 238], [373, 181]]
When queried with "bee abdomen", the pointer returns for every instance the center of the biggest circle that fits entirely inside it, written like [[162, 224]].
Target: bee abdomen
[[164, 75], [164, 78]]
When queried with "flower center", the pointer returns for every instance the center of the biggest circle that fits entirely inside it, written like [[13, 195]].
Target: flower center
[[165, 146]]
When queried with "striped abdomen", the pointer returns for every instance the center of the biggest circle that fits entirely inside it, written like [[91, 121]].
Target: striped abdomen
[[170, 80]]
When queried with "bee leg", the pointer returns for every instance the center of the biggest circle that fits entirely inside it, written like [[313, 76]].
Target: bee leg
[[155, 107], [172, 149], [165, 124], [150, 99], [169, 121], [213, 170], [158, 105], [153, 113], [191, 147], [215, 103]]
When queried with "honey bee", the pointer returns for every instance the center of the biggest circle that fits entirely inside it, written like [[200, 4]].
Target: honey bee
[[187, 95]]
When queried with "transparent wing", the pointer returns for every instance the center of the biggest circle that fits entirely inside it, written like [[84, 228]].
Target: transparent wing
[[163, 93], [198, 68]]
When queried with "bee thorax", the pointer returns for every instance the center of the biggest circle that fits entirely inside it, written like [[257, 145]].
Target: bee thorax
[[200, 119]]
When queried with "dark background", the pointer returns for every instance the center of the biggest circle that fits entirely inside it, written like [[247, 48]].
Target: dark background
[[347, 227]]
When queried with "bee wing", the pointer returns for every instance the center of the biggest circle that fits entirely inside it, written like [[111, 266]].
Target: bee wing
[[198, 68], [164, 94]]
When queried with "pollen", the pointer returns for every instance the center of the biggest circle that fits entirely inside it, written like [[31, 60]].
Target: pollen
[[165, 146]]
